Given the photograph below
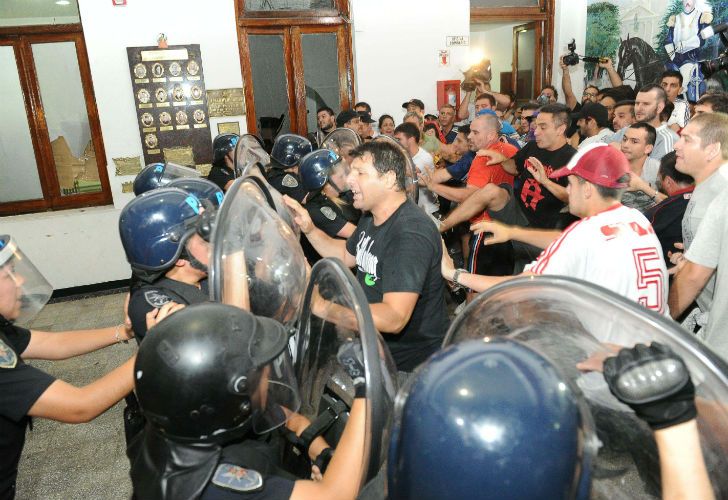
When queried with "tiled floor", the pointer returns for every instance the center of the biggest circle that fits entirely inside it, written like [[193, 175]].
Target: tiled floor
[[85, 461]]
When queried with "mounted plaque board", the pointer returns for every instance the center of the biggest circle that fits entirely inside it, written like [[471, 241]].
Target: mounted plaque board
[[171, 101]]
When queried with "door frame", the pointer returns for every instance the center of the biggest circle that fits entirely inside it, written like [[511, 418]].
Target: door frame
[[538, 49]]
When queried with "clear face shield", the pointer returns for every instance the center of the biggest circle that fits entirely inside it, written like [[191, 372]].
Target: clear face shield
[[570, 321], [23, 289], [172, 171], [411, 170], [257, 262], [250, 157], [276, 396], [342, 141]]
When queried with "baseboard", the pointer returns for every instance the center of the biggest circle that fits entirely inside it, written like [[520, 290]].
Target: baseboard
[[86, 291]]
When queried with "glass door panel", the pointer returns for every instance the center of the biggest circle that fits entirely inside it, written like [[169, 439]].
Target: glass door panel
[[270, 84], [321, 74], [19, 178], [61, 90]]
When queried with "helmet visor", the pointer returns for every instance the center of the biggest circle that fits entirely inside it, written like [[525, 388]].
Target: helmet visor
[[23, 289], [276, 397], [173, 171], [249, 153]]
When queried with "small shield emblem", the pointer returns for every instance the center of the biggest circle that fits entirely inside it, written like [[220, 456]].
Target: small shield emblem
[[289, 181], [328, 213], [155, 298], [8, 358], [236, 478]]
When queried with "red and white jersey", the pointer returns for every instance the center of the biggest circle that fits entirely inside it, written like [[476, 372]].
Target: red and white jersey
[[616, 249]]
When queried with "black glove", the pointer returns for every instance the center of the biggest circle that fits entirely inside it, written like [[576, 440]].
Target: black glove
[[351, 357], [654, 382], [323, 459]]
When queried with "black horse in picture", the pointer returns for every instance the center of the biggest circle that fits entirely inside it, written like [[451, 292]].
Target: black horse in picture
[[646, 65]]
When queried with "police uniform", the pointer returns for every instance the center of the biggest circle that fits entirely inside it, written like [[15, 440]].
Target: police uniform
[[20, 387], [285, 182], [147, 297], [221, 175], [329, 216]]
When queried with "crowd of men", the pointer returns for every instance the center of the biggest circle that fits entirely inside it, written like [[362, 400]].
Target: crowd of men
[[623, 190]]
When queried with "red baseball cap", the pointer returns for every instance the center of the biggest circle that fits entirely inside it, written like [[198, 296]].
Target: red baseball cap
[[598, 163]]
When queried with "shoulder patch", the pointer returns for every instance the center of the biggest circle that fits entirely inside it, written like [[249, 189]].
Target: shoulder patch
[[706, 18], [8, 358], [236, 478], [671, 22], [289, 181], [328, 213], [155, 298]]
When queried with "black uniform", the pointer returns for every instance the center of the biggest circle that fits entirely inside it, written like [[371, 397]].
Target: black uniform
[[328, 217], [221, 175], [285, 182], [666, 218], [147, 297], [164, 469], [20, 387]]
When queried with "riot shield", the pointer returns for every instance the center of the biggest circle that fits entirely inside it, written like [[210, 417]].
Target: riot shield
[[341, 141], [411, 175], [250, 161], [249, 155], [568, 320], [335, 313], [257, 262]]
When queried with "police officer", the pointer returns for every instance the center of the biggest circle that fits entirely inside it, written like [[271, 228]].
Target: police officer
[[165, 235], [213, 382], [323, 176], [26, 391], [156, 175], [282, 173], [222, 172], [204, 190]]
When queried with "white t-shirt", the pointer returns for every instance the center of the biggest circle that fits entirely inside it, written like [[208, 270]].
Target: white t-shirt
[[427, 199], [602, 136], [616, 249], [681, 114]]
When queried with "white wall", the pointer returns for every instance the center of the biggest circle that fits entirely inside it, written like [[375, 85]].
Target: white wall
[[569, 22], [396, 45]]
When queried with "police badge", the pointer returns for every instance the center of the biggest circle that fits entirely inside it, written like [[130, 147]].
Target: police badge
[[289, 181], [236, 478], [8, 358], [328, 213], [155, 298]]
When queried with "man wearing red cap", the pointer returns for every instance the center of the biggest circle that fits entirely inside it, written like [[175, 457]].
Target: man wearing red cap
[[612, 246]]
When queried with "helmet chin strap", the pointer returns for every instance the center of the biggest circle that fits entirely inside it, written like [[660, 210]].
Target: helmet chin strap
[[196, 264]]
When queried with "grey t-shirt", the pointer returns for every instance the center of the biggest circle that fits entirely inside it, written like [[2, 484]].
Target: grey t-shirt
[[705, 192], [708, 249]]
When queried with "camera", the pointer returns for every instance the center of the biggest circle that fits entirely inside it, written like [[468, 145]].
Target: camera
[[714, 65], [477, 72], [572, 58]]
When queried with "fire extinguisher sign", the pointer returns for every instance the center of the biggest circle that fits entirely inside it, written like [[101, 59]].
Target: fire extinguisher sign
[[443, 57]]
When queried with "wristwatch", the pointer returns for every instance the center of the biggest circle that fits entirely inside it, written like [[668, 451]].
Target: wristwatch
[[456, 275]]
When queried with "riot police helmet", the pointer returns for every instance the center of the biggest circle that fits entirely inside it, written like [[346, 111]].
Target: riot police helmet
[[221, 146], [23, 288], [490, 416], [156, 175], [316, 168], [155, 227], [288, 149], [204, 190], [214, 372]]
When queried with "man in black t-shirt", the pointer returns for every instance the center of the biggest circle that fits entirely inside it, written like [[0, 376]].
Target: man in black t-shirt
[[396, 251], [534, 200]]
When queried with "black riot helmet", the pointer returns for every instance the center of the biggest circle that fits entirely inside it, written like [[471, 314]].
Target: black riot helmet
[[212, 372], [222, 145], [316, 168], [289, 149]]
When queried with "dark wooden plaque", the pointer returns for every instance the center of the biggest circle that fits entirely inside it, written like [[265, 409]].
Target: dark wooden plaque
[[171, 101]]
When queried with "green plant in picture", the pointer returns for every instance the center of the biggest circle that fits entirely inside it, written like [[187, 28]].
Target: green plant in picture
[[602, 32]]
